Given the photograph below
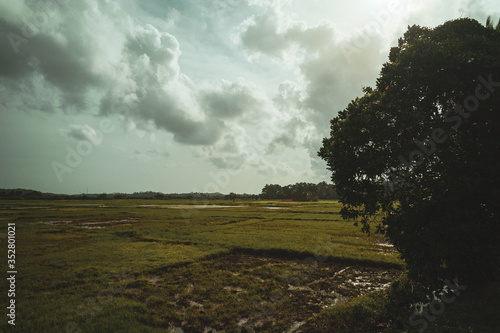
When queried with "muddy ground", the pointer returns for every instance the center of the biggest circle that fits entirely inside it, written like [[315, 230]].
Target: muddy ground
[[276, 294]]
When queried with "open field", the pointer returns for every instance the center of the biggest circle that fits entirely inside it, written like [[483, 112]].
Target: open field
[[148, 266]]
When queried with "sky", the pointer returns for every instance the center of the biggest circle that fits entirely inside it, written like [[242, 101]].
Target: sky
[[184, 96]]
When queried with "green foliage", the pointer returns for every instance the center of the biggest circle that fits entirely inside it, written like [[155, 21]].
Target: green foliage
[[420, 150], [300, 192]]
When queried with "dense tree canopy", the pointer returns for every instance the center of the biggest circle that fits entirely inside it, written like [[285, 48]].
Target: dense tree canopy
[[300, 191], [416, 157]]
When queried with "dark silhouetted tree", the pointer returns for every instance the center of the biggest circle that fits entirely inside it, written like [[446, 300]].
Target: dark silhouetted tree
[[416, 157], [300, 191], [489, 24]]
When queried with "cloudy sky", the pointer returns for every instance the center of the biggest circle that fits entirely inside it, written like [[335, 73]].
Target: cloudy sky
[[188, 96]]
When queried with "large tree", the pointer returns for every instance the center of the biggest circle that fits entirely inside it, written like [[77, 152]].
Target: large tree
[[417, 157]]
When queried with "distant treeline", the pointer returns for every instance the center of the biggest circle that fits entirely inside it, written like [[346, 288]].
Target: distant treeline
[[296, 192], [24, 194], [300, 192]]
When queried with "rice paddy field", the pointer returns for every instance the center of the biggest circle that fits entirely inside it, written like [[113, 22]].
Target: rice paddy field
[[186, 266]]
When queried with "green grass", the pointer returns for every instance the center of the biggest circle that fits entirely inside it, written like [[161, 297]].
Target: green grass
[[117, 266], [147, 269]]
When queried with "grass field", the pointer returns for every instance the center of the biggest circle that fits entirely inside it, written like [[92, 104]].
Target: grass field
[[154, 266]]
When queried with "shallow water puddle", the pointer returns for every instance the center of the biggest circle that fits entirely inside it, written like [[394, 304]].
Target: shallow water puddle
[[190, 206], [275, 207], [91, 224]]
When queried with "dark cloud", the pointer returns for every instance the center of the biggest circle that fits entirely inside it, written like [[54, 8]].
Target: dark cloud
[[331, 74], [165, 113], [230, 101], [292, 135], [324, 63], [150, 83], [136, 76], [64, 60], [13, 65]]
